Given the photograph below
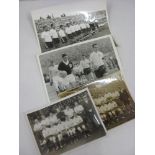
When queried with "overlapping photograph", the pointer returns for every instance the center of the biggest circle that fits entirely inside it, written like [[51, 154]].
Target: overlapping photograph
[[112, 99], [55, 29], [66, 124], [78, 65]]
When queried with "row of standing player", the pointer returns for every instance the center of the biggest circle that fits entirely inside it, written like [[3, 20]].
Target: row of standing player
[[52, 37]]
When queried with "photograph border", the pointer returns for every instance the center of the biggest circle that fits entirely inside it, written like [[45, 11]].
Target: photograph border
[[115, 52], [55, 102]]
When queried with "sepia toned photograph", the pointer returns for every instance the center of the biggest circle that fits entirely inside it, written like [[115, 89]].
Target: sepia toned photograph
[[55, 29], [78, 65], [113, 101], [66, 124]]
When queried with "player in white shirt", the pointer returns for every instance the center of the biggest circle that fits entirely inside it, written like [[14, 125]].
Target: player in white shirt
[[77, 70], [114, 104], [86, 65], [83, 27], [68, 31], [77, 29], [54, 36], [52, 69], [46, 36], [102, 109], [59, 81], [37, 125], [37, 128], [96, 58], [78, 119], [44, 121], [53, 119], [88, 27], [69, 112], [45, 132], [73, 30], [62, 34], [78, 108]]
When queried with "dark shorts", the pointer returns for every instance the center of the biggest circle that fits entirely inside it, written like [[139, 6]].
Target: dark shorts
[[56, 41], [70, 36], [86, 71], [64, 40], [84, 30], [49, 44], [74, 34], [100, 71], [78, 32]]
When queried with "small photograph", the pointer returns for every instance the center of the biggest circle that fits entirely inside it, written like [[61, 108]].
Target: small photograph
[[56, 29], [78, 65], [66, 124], [112, 99]]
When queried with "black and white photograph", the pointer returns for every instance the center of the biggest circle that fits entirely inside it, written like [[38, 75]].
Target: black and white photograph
[[56, 29], [66, 124], [78, 65]]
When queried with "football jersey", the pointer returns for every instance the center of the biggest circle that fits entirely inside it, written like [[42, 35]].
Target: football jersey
[[46, 36], [53, 33], [69, 112], [79, 109], [37, 127]]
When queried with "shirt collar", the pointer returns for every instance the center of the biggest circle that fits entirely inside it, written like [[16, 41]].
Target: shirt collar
[[66, 63]]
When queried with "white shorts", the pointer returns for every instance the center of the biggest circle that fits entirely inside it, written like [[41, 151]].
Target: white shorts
[[70, 78]]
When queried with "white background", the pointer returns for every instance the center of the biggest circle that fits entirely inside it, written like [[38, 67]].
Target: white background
[[145, 75], [120, 140]]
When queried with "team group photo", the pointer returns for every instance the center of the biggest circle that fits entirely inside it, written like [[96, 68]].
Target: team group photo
[[75, 66], [113, 102], [55, 31], [66, 124]]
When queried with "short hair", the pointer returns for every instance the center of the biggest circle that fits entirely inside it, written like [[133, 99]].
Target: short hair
[[93, 45], [61, 26], [45, 26], [52, 25], [63, 55]]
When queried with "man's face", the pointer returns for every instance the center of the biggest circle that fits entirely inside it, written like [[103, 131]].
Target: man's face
[[42, 116], [46, 28], [51, 114], [95, 48], [83, 57], [65, 58]]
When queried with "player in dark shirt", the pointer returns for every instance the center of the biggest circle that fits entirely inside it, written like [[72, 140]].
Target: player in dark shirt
[[67, 66]]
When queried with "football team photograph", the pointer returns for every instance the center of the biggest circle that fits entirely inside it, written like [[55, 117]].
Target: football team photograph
[[66, 124], [71, 67], [55, 30]]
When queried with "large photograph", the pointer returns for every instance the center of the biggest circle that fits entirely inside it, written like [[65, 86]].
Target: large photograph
[[112, 99], [66, 124], [56, 29], [74, 66]]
